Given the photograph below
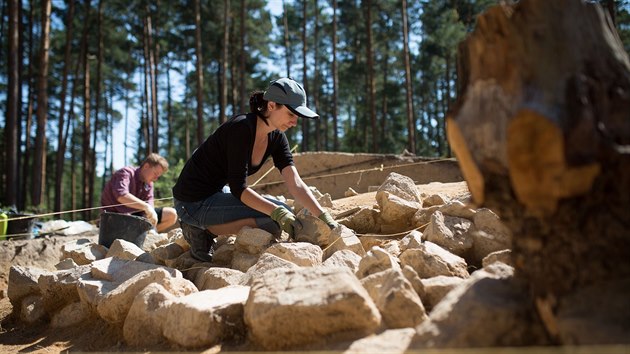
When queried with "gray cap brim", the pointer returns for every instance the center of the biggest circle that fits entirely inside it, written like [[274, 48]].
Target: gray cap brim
[[303, 111]]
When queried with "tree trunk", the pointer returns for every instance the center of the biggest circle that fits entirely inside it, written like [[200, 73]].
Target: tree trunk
[[87, 155], [224, 61], [335, 97], [10, 129], [148, 137], [305, 125], [25, 159], [242, 85], [169, 109], [97, 102], [61, 138], [199, 73], [287, 44], [411, 124], [318, 140], [151, 66], [541, 133], [371, 87], [39, 158]]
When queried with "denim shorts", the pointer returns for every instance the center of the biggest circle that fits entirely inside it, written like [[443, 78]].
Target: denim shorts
[[219, 208]]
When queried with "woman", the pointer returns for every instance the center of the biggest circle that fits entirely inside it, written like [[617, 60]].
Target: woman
[[237, 149]]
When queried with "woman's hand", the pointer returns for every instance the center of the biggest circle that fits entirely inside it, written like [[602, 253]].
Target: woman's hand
[[286, 219], [328, 219]]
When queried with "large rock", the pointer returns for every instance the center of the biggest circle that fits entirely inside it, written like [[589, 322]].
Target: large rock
[[147, 315], [265, 263], [59, 288], [392, 341], [253, 240], [296, 307], [124, 250], [115, 305], [342, 238], [303, 254], [376, 260], [71, 315], [207, 318], [216, 278], [364, 221], [398, 302], [400, 186], [23, 282], [436, 288], [487, 310], [83, 251], [431, 260], [343, 258], [396, 210], [450, 232]]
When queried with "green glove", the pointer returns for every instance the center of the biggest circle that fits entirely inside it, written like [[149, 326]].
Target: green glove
[[285, 218], [328, 219]]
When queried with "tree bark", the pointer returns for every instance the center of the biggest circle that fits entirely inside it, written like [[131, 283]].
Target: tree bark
[[335, 78], [242, 84], [61, 138], [199, 73], [39, 158], [10, 129], [371, 87], [318, 140], [305, 125], [224, 61], [541, 133], [287, 45], [411, 124]]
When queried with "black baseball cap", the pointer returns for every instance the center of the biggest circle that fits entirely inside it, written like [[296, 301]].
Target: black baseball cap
[[288, 92]]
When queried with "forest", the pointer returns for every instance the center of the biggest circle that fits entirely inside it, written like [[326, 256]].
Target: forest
[[80, 78]]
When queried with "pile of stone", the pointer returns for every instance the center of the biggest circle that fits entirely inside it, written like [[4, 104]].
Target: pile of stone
[[449, 285]]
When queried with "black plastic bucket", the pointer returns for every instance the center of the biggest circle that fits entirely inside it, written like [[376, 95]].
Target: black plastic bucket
[[22, 227], [121, 226]]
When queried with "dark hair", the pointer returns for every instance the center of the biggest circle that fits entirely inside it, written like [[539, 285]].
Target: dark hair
[[258, 105]]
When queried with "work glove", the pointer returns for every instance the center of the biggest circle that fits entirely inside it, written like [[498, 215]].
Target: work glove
[[328, 219], [286, 219], [151, 215]]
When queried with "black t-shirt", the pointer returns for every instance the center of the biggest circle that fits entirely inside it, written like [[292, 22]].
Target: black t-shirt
[[225, 158]]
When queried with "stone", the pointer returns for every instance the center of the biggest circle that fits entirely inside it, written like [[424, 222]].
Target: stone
[[216, 278], [436, 288], [23, 282], [450, 232], [396, 210], [461, 319], [166, 252], [400, 186], [243, 261], [343, 238], [364, 221], [432, 260], [313, 231], [124, 250], [412, 240], [83, 251], [334, 302], [376, 260], [59, 288], [391, 341], [253, 240], [265, 263], [32, 309], [394, 296], [303, 254], [343, 258], [66, 263], [71, 315], [115, 305], [118, 270], [151, 239], [207, 318], [503, 256], [147, 315]]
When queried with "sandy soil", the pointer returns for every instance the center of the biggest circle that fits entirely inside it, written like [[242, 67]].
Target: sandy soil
[[97, 335]]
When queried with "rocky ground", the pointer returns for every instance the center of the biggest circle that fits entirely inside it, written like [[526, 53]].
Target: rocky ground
[[412, 267]]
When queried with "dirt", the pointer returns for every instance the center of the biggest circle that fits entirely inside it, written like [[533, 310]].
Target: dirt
[[97, 335]]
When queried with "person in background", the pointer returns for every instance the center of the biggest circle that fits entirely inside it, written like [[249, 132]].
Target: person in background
[[237, 149], [133, 187]]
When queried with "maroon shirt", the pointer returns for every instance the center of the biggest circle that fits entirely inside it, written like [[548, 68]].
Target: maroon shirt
[[126, 180]]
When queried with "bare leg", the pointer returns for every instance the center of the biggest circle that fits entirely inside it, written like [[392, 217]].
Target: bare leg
[[233, 227], [169, 217]]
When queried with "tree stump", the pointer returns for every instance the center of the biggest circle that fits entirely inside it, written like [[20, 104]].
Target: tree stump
[[541, 130]]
